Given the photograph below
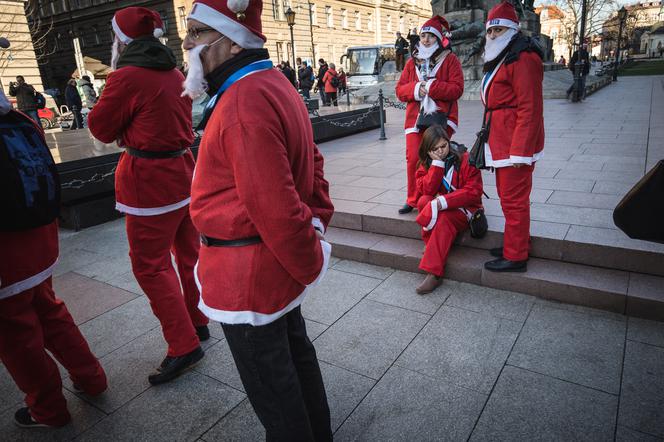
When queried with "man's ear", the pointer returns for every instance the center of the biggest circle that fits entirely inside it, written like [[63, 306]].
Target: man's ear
[[235, 48]]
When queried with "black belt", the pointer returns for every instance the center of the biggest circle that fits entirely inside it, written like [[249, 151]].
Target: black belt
[[155, 155], [214, 242]]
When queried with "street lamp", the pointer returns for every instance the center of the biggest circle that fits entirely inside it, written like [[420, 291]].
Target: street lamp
[[290, 19], [622, 16], [578, 66]]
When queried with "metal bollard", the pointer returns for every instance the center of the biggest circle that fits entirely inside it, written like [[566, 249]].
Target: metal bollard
[[348, 97], [382, 117]]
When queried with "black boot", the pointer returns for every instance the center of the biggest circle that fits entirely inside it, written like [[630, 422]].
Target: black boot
[[405, 209], [203, 332], [497, 252], [505, 265], [172, 367]]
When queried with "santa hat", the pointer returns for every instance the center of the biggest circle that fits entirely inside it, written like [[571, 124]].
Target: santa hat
[[133, 22], [437, 26], [503, 14], [239, 20]]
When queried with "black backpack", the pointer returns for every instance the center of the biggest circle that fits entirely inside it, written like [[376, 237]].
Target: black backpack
[[29, 180], [335, 82]]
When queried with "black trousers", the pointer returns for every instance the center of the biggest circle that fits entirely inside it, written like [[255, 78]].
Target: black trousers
[[331, 98], [280, 373]]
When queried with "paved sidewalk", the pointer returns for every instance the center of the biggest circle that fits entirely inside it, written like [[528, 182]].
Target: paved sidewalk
[[463, 363], [595, 151]]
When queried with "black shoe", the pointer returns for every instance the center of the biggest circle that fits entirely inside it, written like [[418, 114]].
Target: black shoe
[[405, 209], [505, 265], [203, 332], [172, 367], [23, 419], [497, 252]]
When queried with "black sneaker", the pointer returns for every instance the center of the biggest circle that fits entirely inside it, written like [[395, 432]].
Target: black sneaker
[[405, 209], [203, 332], [23, 419], [172, 367]]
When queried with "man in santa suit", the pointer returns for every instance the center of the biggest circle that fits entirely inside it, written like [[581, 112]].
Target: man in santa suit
[[33, 319], [432, 81], [142, 109], [261, 203], [512, 95]]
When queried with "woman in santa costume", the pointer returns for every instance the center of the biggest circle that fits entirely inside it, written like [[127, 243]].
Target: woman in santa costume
[[432, 81], [451, 191], [512, 95], [261, 203], [33, 320], [142, 109]]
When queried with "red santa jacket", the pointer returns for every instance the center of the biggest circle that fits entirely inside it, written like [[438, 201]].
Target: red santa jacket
[[445, 89], [142, 108], [27, 258], [465, 189], [327, 79], [517, 121], [259, 173]]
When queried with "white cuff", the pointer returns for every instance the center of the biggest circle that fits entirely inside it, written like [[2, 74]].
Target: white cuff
[[318, 225], [521, 160], [428, 85], [443, 202], [434, 215], [416, 92], [438, 163], [326, 248]]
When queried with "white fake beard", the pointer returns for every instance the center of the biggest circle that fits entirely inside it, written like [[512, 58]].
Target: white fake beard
[[493, 48], [115, 53], [195, 85], [424, 53], [5, 105]]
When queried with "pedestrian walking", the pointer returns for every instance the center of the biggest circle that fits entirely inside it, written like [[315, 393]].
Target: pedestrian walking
[[512, 95], [32, 318], [307, 79], [26, 100], [401, 49], [261, 203], [88, 91], [142, 108], [74, 103], [343, 85], [289, 73], [451, 192], [431, 83], [583, 57], [331, 80], [320, 85]]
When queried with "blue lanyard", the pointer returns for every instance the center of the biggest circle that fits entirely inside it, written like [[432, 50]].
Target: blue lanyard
[[237, 75]]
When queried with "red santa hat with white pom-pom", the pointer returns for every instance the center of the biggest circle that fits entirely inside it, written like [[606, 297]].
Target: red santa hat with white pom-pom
[[504, 15], [133, 22], [239, 20]]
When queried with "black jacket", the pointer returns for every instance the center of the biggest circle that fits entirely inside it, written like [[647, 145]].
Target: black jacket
[[72, 97], [321, 74], [25, 96], [401, 45], [305, 75], [585, 59], [414, 39]]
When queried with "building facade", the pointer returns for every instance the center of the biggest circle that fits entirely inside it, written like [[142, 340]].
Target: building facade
[[552, 24], [323, 29], [640, 18], [20, 58]]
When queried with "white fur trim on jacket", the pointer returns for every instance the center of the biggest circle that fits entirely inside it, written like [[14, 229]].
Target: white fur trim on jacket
[[505, 23], [124, 38], [318, 225], [28, 283], [255, 318], [416, 92], [443, 202], [438, 163], [434, 215], [226, 26], [508, 162], [150, 211]]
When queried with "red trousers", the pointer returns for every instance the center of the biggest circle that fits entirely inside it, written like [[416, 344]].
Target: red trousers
[[31, 323], [413, 141], [439, 240], [152, 239], [514, 187]]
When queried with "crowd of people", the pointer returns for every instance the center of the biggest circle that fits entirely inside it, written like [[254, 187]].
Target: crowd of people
[[329, 82], [246, 232]]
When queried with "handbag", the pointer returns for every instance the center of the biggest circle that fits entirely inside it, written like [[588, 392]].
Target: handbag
[[476, 156], [478, 224], [640, 214]]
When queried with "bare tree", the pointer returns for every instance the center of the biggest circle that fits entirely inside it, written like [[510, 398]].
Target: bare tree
[[13, 29], [631, 28], [596, 13]]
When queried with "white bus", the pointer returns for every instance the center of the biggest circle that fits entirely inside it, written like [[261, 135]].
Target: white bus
[[367, 65]]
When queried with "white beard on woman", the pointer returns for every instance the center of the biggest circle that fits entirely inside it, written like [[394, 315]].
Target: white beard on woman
[[115, 53], [493, 48], [424, 53], [195, 85]]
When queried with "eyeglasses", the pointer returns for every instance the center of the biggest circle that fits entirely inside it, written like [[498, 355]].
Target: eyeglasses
[[196, 33]]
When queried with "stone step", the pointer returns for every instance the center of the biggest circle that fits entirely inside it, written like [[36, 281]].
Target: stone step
[[624, 292], [592, 246]]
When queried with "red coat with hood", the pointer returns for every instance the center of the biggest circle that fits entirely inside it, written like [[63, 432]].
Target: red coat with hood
[[259, 173], [327, 79], [445, 88]]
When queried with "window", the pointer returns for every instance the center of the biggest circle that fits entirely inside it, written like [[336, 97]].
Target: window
[[314, 16], [278, 10], [544, 14], [402, 23], [389, 23], [370, 24], [358, 21], [328, 16], [344, 19], [280, 51], [182, 15]]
